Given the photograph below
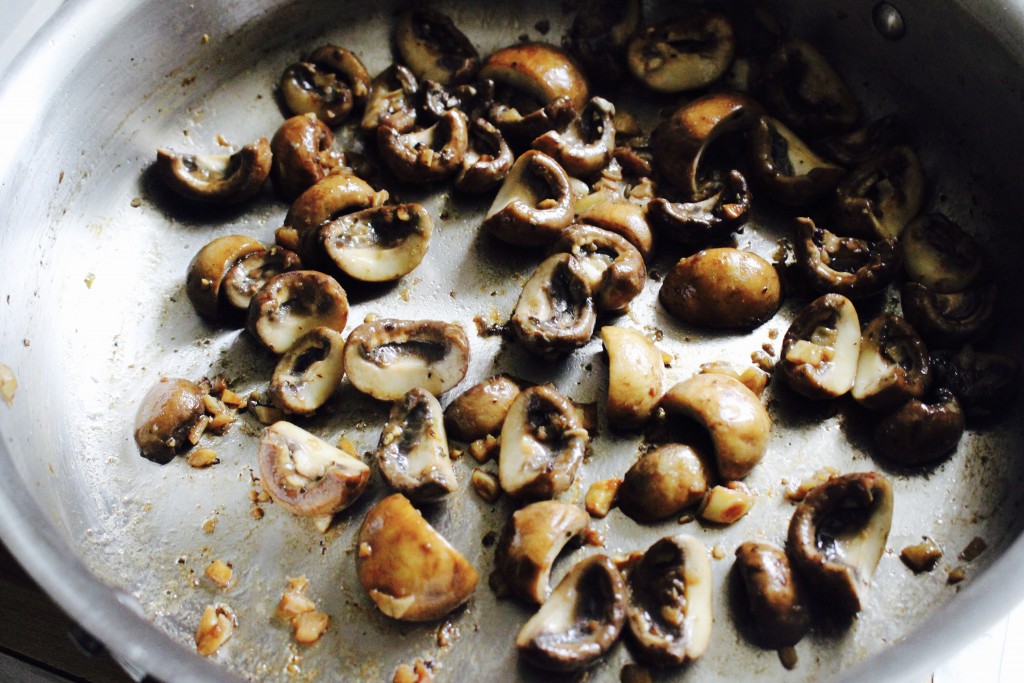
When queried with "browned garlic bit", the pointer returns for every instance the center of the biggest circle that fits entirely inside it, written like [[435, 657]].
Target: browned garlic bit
[[601, 496], [409, 570], [412, 453], [921, 557], [298, 610], [773, 596], [8, 384], [481, 409], [821, 348], [170, 419], [486, 485], [636, 372], [309, 373], [215, 628], [293, 303], [219, 572], [216, 178], [726, 504]]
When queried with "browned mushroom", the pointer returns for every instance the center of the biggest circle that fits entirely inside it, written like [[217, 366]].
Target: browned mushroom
[[623, 218], [254, 270], [853, 267], [636, 371], [682, 54], [487, 161], [539, 71], [331, 83], [821, 348], [851, 149], [614, 269], [555, 313], [706, 221], [984, 382], [391, 100], [584, 145], [412, 453], [663, 482], [434, 48], [788, 170], [379, 244], [773, 596], [210, 266], [599, 35], [328, 200], [481, 409], [882, 195], [302, 155], [216, 178], [410, 571], [939, 255], [893, 365], [309, 372], [921, 431], [423, 156], [169, 419], [838, 534], [945, 320], [533, 204], [293, 303]]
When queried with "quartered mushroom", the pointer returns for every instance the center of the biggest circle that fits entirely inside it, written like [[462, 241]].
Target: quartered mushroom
[[788, 170], [821, 349], [169, 419], [802, 88], [878, 198], [733, 415], [580, 621], [309, 372], [669, 605], [423, 156], [254, 270], [307, 476], [542, 444], [679, 143], [939, 255], [921, 431], [302, 155], [893, 365], [409, 570], [293, 303], [391, 100], [614, 269], [636, 371], [851, 149], [379, 244], [984, 382], [838, 534], [722, 288], [216, 178], [584, 145], [386, 358], [412, 453], [663, 483], [532, 539], [331, 83], [953, 319], [209, 268], [533, 203], [705, 221], [555, 312], [682, 54], [430, 44], [623, 218], [853, 267], [774, 599], [599, 35], [327, 200], [481, 409], [487, 161]]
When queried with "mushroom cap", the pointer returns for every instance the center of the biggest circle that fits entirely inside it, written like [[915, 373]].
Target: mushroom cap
[[706, 221], [166, 417], [555, 311], [533, 203], [293, 303], [921, 431], [821, 348], [481, 409], [614, 268], [217, 178], [789, 170], [302, 155], [636, 371], [331, 83], [379, 244], [623, 218], [939, 255], [663, 482], [210, 265], [878, 198], [584, 145], [542, 71], [774, 598], [953, 319], [434, 48], [684, 53], [410, 571], [412, 453]]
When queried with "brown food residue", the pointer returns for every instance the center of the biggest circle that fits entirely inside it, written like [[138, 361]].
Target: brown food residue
[[921, 557], [976, 547]]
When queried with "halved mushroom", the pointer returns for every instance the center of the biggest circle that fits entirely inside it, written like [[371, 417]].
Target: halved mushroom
[[663, 482], [254, 270], [950, 319], [542, 444], [306, 475], [555, 313], [679, 142], [331, 82], [706, 221], [309, 372], [533, 537], [669, 605], [410, 571], [539, 72], [636, 371], [731, 413], [682, 54], [580, 621], [893, 365], [599, 34], [614, 269], [487, 161], [426, 155], [850, 266], [386, 358], [821, 348], [838, 534], [985, 383], [802, 88], [481, 409], [623, 218], [168, 419], [940, 255], [851, 149], [533, 204], [584, 145], [293, 303], [722, 288], [391, 100], [378, 244], [412, 453], [216, 178], [921, 431], [882, 195], [302, 155], [786, 167], [434, 48], [210, 266], [329, 199], [773, 596]]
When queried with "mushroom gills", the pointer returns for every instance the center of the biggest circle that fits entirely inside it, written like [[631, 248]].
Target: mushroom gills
[[413, 449], [309, 373], [248, 276], [555, 312]]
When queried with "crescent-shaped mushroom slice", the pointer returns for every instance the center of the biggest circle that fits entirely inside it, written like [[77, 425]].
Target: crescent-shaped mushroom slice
[[580, 621], [391, 101], [487, 161], [309, 372], [682, 54], [216, 178], [423, 156], [704, 222], [838, 534], [254, 270], [412, 453], [788, 170], [533, 203], [379, 244], [773, 597], [542, 444], [331, 82], [306, 475], [893, 366], [410, 571], [209, 268], [636, 371], [532, 539], [542, 73], [821, 348], [952, 319], [669, 607], [584, 145], [386, 358], [555, 312], [293, 303]]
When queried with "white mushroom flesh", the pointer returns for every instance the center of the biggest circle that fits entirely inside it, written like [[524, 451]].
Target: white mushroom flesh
[[309, 456], [823, 363], [413, 449], [309, 373], [379, 244]]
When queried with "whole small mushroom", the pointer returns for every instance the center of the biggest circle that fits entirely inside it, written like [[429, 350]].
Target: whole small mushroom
[[326, 201], [216, 178], [412, 453], [921, 431], [774, 599], [169, 419]]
